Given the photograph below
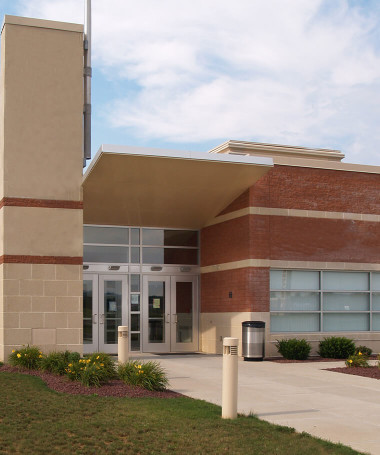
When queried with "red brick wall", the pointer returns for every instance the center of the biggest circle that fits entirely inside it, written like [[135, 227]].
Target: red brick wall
[[239, 203], [249, 287], [290, 239], [313, 189], [316, 239], [225, 242]]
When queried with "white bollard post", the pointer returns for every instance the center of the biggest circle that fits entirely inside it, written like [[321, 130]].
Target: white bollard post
[[230, 378], [122, 344]]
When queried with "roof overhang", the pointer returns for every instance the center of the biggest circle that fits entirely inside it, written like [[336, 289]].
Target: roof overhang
[[133, 186]]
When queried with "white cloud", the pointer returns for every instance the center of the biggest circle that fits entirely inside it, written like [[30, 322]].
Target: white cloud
[[283, 71]]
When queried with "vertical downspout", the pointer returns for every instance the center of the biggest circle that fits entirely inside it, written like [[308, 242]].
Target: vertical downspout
[[87, 74]]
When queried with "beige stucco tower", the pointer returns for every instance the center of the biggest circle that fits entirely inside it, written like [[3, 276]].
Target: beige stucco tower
[[41, 106]]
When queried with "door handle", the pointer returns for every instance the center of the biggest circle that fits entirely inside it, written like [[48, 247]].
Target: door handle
[[102, 319], [175, 318], [167, 319], [94, 318]]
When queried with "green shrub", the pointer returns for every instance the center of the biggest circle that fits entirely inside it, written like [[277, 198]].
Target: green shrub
[[28, 357], [357, 360], [293, 349], [93, 370], [364, 350], [56, 362], [1, 364], [149, 375], [336, 348]]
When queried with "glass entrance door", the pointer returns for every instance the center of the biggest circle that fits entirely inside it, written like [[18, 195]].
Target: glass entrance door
[[156, 314], [184, 317], [104, 309], [170, 320], [90, 313]]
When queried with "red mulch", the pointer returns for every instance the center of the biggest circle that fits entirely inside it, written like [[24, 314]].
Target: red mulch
[[370, 372], [114, 388], [312, 359]]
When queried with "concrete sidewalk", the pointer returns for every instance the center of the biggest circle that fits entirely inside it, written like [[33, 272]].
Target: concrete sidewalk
[[338, 407]]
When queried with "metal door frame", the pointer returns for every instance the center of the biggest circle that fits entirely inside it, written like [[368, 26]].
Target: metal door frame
[[98, 280], [170, 344]]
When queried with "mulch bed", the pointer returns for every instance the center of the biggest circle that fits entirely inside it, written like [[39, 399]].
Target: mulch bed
[[370, 372], [310, 360], [114, 388]]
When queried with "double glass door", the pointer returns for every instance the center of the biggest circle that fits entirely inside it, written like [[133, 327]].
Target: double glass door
[[170, 313], [104, 309]]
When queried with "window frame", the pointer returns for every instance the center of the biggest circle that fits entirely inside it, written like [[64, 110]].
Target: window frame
[[322, 291]]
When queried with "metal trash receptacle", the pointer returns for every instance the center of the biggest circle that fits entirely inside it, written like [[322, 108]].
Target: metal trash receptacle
[[253, 339]]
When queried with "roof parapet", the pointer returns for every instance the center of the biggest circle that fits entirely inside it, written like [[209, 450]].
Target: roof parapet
[[261, 149], [41, 23]]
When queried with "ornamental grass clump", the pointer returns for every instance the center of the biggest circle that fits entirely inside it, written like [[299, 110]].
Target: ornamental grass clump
[[56, 362], [357, 360], [293, 349], [28, 357], [149, 375], [336, 348]]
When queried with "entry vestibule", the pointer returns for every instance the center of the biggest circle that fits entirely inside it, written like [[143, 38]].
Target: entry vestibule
[[149, 228], [143, 278]]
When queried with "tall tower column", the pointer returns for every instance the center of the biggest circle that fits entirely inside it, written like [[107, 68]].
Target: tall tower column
[[41, 131]]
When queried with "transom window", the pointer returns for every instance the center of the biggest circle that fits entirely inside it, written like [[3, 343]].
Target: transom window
[[129, 245], [324, 301]]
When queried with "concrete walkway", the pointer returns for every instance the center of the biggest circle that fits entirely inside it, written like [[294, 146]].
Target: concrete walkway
[[334, 406]]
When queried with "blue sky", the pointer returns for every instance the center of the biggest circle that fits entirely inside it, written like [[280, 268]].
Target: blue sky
[[191, 75]]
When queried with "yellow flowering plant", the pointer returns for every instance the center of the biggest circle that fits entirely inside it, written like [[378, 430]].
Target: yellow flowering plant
[[56, 362], [105, 362], [365, 350], [149, 375], [357, 360], [93, 370], [27, 357]]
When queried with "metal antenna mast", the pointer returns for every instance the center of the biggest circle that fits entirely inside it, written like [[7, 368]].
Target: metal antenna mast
[[87, 74]]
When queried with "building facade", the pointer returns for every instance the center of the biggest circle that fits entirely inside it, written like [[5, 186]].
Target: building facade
[[299, 249], [181, 247]]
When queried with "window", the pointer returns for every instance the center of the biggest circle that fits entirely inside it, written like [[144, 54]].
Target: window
[[324, 301], [124, 245]]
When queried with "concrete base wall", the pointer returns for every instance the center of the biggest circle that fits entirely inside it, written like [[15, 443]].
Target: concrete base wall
[[215, 326], [42, 306]]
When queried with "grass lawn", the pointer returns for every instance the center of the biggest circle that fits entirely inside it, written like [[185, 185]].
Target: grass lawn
[[35, 420]]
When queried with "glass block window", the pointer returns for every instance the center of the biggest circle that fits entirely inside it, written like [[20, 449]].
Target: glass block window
[[324, 301]]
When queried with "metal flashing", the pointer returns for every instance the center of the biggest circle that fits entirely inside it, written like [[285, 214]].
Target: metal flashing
[[41, 23]]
